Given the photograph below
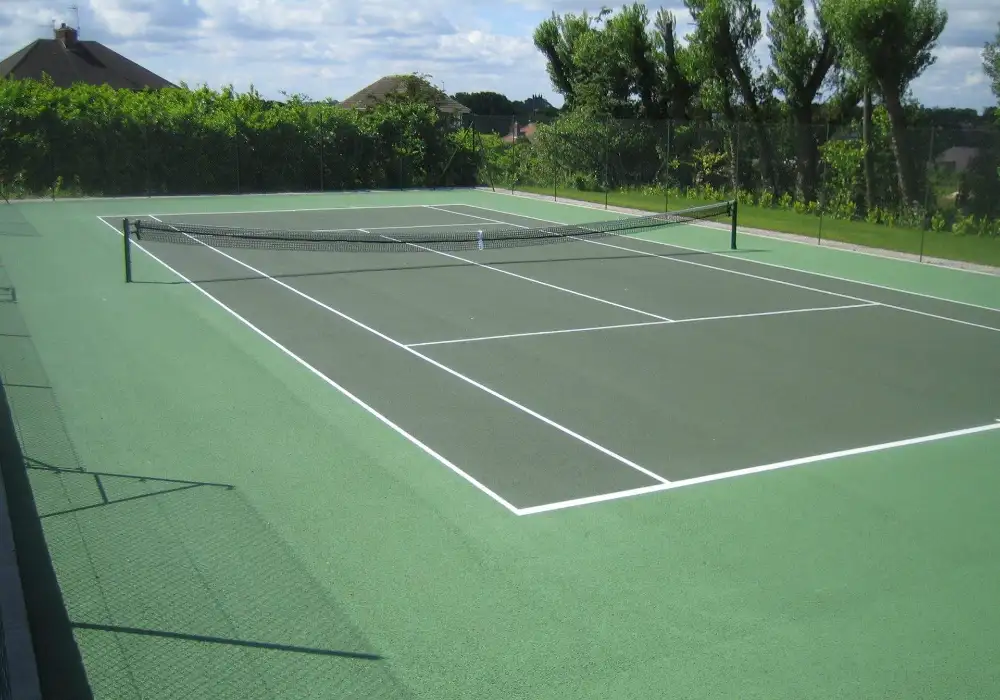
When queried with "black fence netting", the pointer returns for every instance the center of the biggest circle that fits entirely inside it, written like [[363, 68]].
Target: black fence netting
[[881, 186]]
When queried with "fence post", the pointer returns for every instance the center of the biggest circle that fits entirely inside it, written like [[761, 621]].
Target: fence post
[[732, 233], [927, 196], [822, 193], [666, 170], [322, 149]]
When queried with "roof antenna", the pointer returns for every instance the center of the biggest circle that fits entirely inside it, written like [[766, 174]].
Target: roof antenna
[[76, 10]]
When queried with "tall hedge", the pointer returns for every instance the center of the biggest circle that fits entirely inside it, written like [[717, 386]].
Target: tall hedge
[[95, 140]]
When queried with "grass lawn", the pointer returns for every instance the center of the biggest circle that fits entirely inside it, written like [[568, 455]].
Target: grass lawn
[[974, 249]]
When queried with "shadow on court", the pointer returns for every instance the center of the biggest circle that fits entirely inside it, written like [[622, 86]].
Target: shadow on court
[[434, 266], [143, 587]]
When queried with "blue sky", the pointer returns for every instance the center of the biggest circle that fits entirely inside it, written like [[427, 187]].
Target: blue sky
[[332, 48]]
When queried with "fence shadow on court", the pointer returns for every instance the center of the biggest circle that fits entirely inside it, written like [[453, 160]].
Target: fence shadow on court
[[149, 587]]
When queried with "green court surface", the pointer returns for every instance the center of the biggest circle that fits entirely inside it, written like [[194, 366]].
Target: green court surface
[[631, 466]]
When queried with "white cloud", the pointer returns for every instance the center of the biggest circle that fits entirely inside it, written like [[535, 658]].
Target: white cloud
[[332, 48]]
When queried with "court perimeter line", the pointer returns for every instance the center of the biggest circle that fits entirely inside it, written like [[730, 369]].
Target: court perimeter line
[[757, 314], [583, 204], [763, 262], [413, 440], [443, 367], [277, 211], [589, 500], [733, 272]]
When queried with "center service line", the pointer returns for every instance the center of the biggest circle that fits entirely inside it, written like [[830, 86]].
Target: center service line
[[445, 368]]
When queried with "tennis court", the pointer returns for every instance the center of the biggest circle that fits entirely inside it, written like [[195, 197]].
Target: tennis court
[[377, 441], [594, 368]]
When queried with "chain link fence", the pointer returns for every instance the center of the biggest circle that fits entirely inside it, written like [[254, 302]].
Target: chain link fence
[[824, 182]]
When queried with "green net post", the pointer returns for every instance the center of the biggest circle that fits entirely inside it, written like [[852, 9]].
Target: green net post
[[732, 231], [126, 228]]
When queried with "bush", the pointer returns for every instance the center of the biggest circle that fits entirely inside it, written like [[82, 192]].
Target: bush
[[95, 140]]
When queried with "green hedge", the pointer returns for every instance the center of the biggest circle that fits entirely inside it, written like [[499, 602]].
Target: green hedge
[[89, 140]]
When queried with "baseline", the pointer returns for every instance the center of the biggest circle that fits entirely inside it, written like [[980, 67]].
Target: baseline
[[281, 211], [619, 495], [741, 273]]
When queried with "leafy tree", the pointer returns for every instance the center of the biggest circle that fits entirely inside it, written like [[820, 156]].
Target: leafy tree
[[991, 64], [890, 42], [725, 36], [557, 38], [802, 60], [678, 89]]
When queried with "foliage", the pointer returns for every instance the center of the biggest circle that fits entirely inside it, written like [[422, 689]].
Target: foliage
[[991, 65], [889, 43], [100, 141]]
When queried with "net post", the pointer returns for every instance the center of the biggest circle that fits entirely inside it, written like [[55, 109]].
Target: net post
[[126, 228], [732, 232]]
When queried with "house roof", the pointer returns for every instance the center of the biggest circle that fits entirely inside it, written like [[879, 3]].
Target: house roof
[[68, 60], [396, 84]]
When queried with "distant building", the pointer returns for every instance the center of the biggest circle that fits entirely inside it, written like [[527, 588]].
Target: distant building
[[399, 85], [957, 158], [67, 60], [518, 132]]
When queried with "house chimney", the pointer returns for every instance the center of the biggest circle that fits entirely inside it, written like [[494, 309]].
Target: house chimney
[[66, 35]]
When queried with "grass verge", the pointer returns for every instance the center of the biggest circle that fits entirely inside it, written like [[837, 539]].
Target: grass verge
[[972, 249]]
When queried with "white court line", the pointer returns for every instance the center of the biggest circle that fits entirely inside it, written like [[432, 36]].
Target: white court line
[[736, 272], [445, 368], [279, 211], [397, 228], [751, 260], [425, 448], [757, 314], [602, 498], [525, 277], [873, 254]]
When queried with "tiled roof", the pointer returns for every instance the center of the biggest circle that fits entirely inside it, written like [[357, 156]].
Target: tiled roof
[[67, 60], [395, 84]]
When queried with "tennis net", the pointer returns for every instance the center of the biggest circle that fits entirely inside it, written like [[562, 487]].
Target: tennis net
[[354, 240]]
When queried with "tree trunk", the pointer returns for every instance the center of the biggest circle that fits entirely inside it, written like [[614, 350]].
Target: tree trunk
[[904, 168], [866, 135], [807, 156]]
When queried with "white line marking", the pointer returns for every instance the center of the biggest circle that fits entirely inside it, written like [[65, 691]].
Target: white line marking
[[525, 277], [425, 448], [280, 211], [537, 333], [758, 262], [744, 274], [445, 368], [588, 500], [783, 312]]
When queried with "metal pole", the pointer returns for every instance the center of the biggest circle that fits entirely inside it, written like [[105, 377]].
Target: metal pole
[[322, 149], [732, 236], [128, 250], [822, 194], [666, 170], [927, 195]]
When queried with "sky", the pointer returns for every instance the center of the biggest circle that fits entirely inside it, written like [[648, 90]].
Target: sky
[[333, 48]]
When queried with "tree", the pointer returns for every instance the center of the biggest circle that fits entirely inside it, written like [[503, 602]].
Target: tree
[[892, 42], [606, 63], [802, 60], [678, 88], [991, 64], [725, 36], [557, 38]]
